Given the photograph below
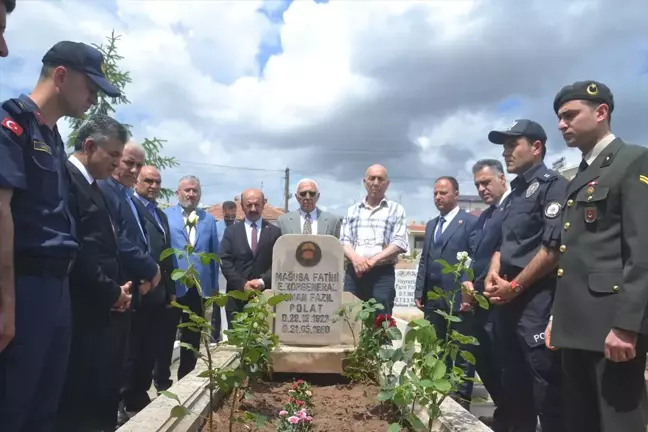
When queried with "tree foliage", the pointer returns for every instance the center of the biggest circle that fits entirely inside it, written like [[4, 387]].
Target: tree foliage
[[106, 105]]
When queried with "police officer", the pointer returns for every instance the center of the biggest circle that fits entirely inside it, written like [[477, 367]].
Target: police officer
[[522, 279], [37, 235], [600, 310]]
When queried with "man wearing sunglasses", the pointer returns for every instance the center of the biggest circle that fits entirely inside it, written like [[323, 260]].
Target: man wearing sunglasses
[[309, 219]]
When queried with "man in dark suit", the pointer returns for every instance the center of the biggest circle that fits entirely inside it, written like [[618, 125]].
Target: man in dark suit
[[446, 236], [148, 321], [246, 251], [136, 265], [601, 302], [491, 185], [94, 281]]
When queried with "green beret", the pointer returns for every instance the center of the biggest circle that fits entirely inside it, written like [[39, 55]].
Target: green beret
[[584, 90]]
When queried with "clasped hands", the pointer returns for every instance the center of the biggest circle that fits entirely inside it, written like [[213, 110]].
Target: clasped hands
[[254, 285], [124, 301], [498, 290], [362, 265]]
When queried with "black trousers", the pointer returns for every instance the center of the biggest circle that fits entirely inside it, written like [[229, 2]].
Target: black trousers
[[114, 350], [531, 373], [78, 408], [603, 396], [378, 283], [487, 365], [188, 358], [166, 336], [147, 322]]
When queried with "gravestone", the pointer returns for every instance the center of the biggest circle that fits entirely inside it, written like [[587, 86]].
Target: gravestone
[[311, 269], [405, 285]]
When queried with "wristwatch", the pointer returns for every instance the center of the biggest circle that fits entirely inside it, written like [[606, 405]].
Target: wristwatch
[[516, 287]]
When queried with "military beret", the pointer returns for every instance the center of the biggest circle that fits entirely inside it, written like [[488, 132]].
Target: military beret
[[584, 90]]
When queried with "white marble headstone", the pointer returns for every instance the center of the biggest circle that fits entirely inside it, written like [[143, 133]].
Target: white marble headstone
[[311, 269]]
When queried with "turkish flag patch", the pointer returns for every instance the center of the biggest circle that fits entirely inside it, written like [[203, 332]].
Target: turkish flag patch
[[11, 124]]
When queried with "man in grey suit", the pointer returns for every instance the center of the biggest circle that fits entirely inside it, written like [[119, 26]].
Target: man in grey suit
[[309, 219]]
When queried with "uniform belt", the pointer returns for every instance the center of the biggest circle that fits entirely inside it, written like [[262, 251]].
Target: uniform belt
[[39, 266]]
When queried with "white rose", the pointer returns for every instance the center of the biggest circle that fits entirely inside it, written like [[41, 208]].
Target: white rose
[[192, 219], [462, 256]]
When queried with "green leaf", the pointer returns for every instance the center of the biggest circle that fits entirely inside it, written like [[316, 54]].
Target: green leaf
[[415, 422], [276, 299], [170, 395], [482, 301], [394, 333], [179, 411], [448, 317], [188, 346], [221, 301], [468, 356], [166, 253], [385, 395], [177, 274], [426, 383], [394, 427], [431, 295], [239, 295], [439, 370], [442, 386]]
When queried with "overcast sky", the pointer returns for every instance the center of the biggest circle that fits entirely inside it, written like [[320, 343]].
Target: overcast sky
[[328, 89]]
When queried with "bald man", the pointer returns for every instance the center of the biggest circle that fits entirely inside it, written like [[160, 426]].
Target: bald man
[[373, 234], [147, 341], [246, 251]]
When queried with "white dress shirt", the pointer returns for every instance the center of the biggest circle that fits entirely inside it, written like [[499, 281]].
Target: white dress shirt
[[77, 163], [598, 148], [313, 216], [448, 218], [248, 230]]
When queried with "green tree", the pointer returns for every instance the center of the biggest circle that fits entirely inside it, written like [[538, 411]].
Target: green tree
[[106, 105]]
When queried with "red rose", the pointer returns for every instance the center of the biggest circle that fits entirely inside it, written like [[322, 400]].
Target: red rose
[[300, 382]]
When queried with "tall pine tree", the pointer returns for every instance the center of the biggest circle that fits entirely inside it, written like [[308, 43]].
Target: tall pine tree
[[106, 105]]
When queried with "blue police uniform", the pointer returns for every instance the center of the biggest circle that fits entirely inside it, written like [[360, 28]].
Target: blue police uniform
[[531, 373], [33, 165], [32, 367]]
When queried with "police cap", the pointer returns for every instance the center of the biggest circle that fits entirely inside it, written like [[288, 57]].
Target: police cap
[[83, 58], [520, 128], [584, 90]]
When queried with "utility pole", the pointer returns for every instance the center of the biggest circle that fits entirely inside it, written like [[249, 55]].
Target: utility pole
[[286, 189]]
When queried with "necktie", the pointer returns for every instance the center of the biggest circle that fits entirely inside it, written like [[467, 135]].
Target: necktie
[[489, 214], [583, 166], [253, 240], [308, 227], [439, 231]]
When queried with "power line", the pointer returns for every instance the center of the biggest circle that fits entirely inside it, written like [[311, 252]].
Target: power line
[[299, 171]]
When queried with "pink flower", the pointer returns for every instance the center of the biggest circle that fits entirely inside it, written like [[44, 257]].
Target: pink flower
[[293, 419], [300, 382], [300, 403], [283, 412]]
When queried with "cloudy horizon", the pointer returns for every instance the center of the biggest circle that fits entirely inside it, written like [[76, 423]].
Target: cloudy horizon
[[243, 89]]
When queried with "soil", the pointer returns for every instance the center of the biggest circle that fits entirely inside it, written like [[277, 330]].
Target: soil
[[338, 406]]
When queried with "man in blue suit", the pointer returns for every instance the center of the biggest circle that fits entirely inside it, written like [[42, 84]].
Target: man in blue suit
[[490, 181], [136, 265], [446, 236], [204, 238]]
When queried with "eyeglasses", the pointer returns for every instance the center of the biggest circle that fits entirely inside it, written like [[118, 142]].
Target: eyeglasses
[[311, 194]]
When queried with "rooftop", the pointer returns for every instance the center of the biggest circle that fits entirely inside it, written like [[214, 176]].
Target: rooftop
[[270, 213]]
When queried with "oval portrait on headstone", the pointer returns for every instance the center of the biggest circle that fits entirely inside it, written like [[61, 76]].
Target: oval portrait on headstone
[[308, 254]]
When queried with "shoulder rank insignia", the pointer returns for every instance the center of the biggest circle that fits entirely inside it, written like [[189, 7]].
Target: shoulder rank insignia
[[11, 124], [532, 188], [590, 214], [643, 179], [553, 209]]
